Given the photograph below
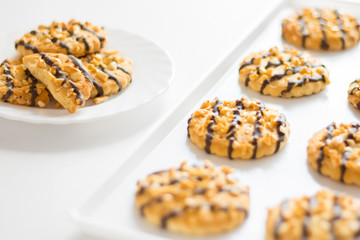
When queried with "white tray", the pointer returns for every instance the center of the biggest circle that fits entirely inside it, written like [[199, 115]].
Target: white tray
[[110, 211]]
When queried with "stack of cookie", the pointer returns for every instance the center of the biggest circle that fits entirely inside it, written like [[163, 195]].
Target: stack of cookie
[[66, 61]]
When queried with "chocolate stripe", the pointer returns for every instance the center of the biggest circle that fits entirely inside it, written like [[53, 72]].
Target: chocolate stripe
[[209, 134], [111, 76], [9, 82], [281, 136], [324, 44], [257, 132], [232, 128], [304, 32], [328, 136], [341, 29], [27, 46], [87, 75], [33, 91]]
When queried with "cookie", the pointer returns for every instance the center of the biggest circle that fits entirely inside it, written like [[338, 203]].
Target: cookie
[[193, 199], [287, 73], [111, 73], [323, 216], [68, 38], [334, 152], [18, 86], [354, 93], [238, 129], [321, 29], [65, 77]]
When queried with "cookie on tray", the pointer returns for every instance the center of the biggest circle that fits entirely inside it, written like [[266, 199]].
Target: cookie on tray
[[321, 29], [334, 152], [287, 73], [238, 129], [193, 199], [111, 73], [68, 38], [18, 86], [354, 93], [323, 216], [64, 75]]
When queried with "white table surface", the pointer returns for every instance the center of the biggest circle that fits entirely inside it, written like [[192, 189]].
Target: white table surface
[[47, 170]]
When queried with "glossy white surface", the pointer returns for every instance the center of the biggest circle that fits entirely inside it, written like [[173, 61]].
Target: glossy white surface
[[47, 170], [111, 211]]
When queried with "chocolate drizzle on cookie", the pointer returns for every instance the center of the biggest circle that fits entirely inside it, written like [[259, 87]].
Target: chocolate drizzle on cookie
[[83, 27], [210, 131], [27, 46], [341, 29], [232, 128], [257, 131], [281, 219], [111, 76], [87, 75], [304, 32], [85, 41], [328, 137], [9, 81], [312, 202], [345, 156], [33, 91], [281, 136], [322, 22], [60, 74]]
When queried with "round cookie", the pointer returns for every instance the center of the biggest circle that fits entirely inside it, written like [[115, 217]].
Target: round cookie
[[68, 38], [19, 86], [288, 73], [193, 199], [238, 129], [334, 152], [354, 93], [321, 29], [323, 216], [111, 73]]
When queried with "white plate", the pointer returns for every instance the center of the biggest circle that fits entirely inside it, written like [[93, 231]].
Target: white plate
[[153, 73]]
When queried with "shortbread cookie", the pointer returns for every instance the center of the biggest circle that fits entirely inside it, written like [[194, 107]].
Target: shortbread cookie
[[334, 151], [18, 86], [354, 93], [72, 38], [238, 129], [64, 75], [288, 73], [193, 199], [321, 29], [325, 216], [111, 72]]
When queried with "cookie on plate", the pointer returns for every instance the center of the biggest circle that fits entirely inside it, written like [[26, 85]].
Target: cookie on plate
[[321, 29], [18, 86], [323, 216], [334, 152], [354, 93], [238, 129], [111, 73], [64, 75], [287, 73], [68, 38], [193, 199]]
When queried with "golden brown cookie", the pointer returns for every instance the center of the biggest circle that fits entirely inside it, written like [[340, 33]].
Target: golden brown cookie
[[321, 29], [288, 73], [334, 152], [325, 216], [238, 129], [111, 73], [354, 93], [193, 199], [65, 77], [68, 38], [18, 86]]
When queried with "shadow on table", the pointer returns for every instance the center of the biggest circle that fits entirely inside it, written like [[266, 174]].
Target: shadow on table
[[21, 136]]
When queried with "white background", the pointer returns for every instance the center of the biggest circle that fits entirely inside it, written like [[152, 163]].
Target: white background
[[47, 170]]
